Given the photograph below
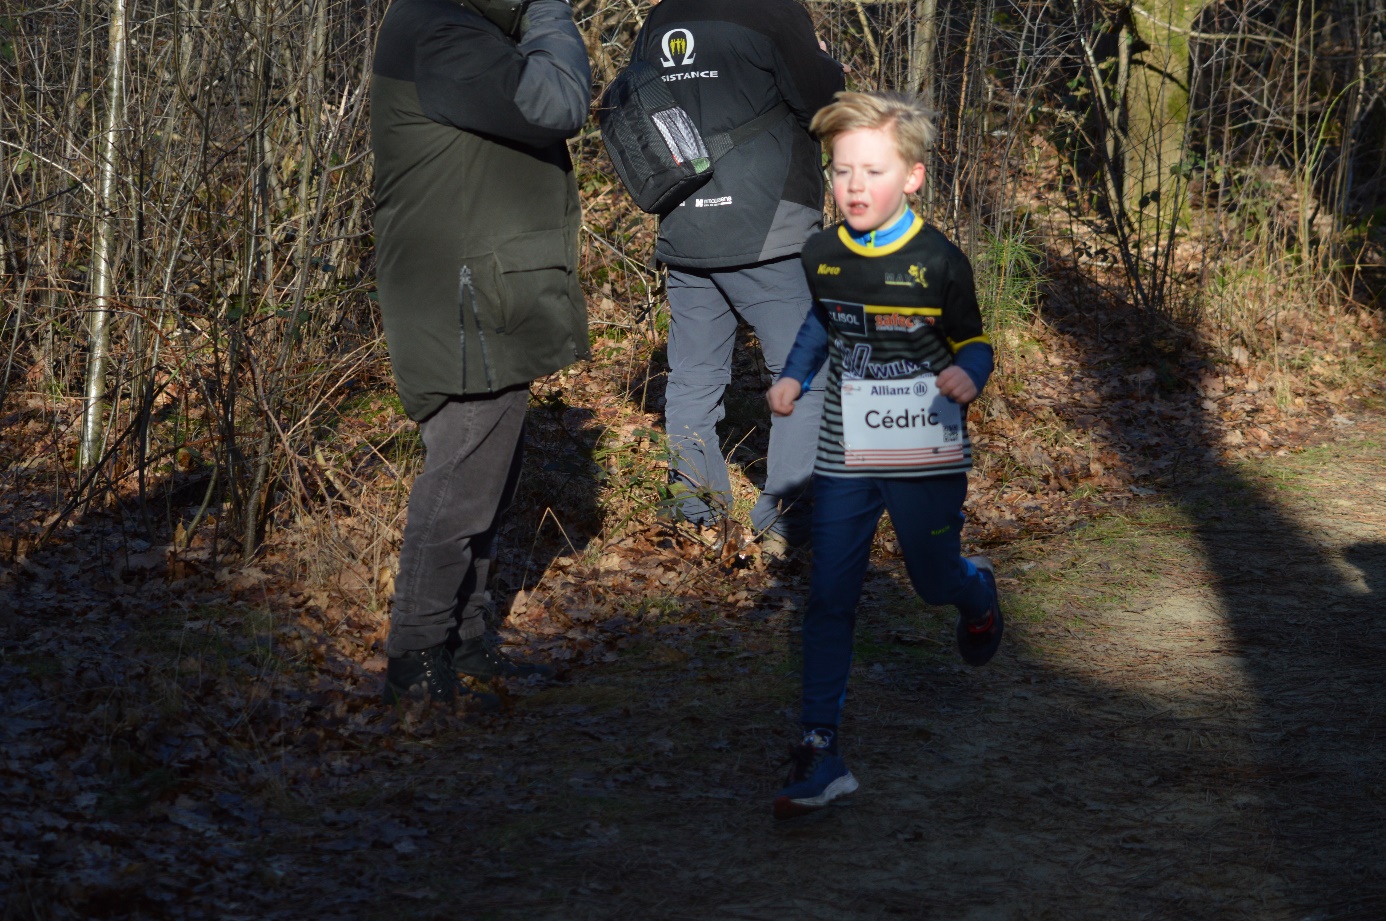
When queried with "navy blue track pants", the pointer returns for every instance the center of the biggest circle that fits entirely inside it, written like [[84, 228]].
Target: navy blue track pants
[[928, 519]]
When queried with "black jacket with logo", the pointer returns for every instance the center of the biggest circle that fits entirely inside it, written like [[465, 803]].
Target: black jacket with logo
[[726, 62], [477, 213]]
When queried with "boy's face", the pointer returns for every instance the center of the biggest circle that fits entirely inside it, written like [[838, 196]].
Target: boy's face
[[871, 179]]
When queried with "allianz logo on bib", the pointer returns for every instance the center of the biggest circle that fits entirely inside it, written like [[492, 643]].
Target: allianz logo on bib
[[917, 388]]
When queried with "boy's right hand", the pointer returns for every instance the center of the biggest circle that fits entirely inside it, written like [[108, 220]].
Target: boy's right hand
[[782, 394]]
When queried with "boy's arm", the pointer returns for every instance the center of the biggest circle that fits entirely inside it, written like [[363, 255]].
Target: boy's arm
[[805, 358], [978, 359], [962, 324], [810, 347], [963, 380]]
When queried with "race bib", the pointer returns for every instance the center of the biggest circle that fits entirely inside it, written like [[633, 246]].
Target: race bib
[[904, 423]]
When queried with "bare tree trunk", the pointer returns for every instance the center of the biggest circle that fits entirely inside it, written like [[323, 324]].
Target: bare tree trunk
[[1157, 107], [187, 21], [103, 245], [259, 260], [923, 49], [922, 52]]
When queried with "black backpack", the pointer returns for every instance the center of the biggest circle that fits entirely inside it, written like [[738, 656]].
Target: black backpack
[[658, 152]]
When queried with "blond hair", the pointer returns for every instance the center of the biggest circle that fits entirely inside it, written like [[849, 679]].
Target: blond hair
[[904, 117]]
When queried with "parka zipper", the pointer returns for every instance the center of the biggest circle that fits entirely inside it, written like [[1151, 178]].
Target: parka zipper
[[466, 298]]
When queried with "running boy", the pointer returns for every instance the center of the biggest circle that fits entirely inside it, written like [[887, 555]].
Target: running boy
[[895, 316]]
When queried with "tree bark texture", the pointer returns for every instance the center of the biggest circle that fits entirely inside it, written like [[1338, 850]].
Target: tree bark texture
[[1157, 110], [103, 245]]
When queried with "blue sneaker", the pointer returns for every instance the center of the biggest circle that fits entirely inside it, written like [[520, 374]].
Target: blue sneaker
[[816, 778], [978, 640]]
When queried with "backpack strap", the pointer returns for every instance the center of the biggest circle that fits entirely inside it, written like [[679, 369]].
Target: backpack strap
[[719, 145]]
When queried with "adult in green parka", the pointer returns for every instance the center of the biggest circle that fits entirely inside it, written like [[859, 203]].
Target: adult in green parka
[[476, 224]]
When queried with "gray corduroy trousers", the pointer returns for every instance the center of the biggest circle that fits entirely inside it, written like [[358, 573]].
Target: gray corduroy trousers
[[473, 449]]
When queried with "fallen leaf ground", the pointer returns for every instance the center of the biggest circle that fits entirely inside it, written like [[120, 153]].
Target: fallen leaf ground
[[1185, 721]]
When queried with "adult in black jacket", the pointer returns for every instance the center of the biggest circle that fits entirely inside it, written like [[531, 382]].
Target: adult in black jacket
[[731, 247], [476, 225]]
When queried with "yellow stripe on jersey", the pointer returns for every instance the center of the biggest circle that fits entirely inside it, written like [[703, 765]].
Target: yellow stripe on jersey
[[905, 311], [957, 345]]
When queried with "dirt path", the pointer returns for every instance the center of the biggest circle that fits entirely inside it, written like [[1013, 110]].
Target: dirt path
[[1186, 724]]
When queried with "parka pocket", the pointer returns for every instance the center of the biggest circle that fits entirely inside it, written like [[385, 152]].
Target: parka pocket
[[519, 278], [535, 279]]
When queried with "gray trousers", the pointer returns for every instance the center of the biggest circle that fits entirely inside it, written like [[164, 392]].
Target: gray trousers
[[473, 449], [704, 306]]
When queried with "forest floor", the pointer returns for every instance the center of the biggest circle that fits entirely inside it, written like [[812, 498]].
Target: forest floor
[[1185, 721]]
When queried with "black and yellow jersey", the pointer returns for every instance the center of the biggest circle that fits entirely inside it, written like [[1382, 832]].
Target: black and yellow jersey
[[894, 312]]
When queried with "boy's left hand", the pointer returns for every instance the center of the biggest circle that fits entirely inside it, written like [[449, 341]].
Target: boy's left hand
[[782, 394], [956, 384]]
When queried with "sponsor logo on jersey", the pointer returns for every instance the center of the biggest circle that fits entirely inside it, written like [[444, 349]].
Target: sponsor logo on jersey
[[910, 279], [824, 269], [859, 366], [848, 317], [712, 202], [678, 48], [898, 323], [691, 75]]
